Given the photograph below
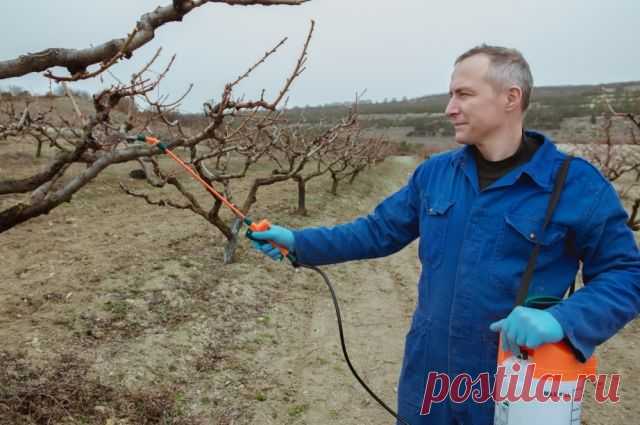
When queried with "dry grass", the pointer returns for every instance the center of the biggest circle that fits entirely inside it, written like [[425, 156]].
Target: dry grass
[[63, 391]]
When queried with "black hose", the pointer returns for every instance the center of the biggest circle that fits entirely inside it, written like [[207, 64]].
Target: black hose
[[344, 348]]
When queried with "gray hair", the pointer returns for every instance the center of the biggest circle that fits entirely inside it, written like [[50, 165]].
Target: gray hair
[[506, 67]]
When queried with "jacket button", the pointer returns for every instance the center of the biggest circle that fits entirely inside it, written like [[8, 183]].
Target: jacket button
[[430, 210], [532, 236]]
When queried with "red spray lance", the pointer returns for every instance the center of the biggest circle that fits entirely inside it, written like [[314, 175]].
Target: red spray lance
[[262, 226]]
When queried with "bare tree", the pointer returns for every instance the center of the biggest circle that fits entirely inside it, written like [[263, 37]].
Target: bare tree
[[301, 152], [26, 123], [98, 142], [354, 155], [618, 158]]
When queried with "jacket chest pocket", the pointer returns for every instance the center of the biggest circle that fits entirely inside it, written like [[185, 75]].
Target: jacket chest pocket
[[436, 214], [515, 243]]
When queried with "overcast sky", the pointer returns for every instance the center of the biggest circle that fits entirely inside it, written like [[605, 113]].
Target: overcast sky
[[392, 48]]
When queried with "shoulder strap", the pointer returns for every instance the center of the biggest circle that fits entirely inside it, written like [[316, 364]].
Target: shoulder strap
[[553, 201]]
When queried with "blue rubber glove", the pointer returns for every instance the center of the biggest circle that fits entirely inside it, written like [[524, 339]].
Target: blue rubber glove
[[278, 234], [527, 327]]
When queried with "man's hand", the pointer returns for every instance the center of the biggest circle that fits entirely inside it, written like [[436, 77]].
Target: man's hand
[[528, 327], [278, 234]]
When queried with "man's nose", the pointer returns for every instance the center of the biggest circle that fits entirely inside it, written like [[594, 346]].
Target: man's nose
[[452, 108]]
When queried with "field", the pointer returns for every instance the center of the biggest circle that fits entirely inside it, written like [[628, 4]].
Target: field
[[116, 312]]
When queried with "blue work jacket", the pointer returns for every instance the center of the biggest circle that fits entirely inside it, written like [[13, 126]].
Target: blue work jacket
[[474, 247]]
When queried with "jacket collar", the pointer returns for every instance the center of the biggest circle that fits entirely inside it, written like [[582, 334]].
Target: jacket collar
[[540, 168]]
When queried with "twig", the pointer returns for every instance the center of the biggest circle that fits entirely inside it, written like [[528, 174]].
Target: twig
[[73, 101]]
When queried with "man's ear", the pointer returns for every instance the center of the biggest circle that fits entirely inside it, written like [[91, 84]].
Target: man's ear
[[514, 98]]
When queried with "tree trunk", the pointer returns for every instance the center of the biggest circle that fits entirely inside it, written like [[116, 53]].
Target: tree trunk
[[634, 222], [334, 186], [302, 209], [232, 244], [353, 176]]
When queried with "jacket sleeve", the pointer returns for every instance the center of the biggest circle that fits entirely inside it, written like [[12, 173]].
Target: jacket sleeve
[[392, 225], [611, 273]]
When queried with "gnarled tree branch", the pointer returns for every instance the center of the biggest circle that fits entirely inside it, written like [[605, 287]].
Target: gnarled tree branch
[[78, 60]]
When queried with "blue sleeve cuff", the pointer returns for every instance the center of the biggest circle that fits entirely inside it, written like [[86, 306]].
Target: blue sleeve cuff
[[314, 247], [581, 350], [299, 248]]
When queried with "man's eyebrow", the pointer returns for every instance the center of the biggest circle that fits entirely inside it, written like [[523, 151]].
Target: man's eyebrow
[[461, 88]]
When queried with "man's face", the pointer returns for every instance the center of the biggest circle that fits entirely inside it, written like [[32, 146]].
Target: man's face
[[476, 108]]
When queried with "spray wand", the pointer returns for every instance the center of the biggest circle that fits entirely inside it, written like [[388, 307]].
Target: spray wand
[[261, 226]]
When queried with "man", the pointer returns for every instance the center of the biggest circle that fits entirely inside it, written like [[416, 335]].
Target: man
[[478, 211]]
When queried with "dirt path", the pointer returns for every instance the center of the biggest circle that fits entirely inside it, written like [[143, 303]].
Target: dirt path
[[377, 311], [376, 301]]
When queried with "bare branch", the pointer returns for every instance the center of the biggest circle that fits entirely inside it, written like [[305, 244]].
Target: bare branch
[[298, 69], [84, 75], [254, 66], [159, 202], [78, 60]]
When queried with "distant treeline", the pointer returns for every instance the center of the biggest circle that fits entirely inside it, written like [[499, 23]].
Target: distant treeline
[[549, 106]]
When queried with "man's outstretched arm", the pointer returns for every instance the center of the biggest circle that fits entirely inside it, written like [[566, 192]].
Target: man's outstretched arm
[[392, 225]]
